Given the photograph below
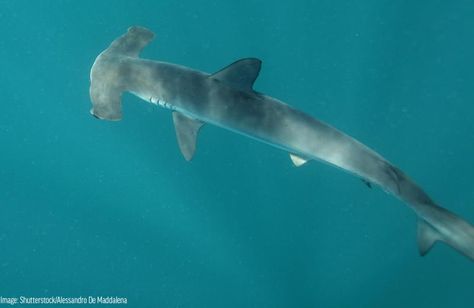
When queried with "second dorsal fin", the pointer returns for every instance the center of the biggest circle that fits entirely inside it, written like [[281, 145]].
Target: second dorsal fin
[[241, 74]]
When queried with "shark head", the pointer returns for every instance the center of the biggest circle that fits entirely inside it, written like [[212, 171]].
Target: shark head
[[107, 73]]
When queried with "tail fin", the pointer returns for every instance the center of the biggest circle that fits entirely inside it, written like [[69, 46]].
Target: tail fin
[[427, 237], [106, 73], [439, 224]]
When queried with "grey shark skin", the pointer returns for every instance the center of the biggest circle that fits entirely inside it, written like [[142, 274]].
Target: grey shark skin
[[226, 99]]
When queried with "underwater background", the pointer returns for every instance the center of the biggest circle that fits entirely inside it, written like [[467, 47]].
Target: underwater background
[[91, 207]]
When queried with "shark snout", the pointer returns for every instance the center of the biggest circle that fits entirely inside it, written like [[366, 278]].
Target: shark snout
[[108, 117], [106, 102], [94, 115]]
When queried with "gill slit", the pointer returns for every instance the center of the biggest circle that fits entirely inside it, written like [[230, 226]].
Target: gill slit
[[160, 102]]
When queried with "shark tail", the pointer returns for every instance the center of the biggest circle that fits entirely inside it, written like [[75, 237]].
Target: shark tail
[[444, 226], [435, 223], [427, 236]]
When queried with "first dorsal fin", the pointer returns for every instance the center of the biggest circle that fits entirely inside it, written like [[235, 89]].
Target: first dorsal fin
[[241, 74]]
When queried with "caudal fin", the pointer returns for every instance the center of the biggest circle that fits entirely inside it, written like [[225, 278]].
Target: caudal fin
[[439, 224], [426, 236]]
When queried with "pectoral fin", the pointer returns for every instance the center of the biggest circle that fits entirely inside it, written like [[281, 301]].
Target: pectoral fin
[[427, 237], [186, 132], [297, 161]]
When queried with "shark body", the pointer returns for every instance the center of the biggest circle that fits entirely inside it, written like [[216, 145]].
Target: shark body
[[227, 99]]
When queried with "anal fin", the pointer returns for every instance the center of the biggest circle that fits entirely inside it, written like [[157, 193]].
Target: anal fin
[[426, 237], [366, 182]]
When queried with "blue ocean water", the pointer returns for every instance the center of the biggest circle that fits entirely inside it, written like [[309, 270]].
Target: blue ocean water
[[95, 208]]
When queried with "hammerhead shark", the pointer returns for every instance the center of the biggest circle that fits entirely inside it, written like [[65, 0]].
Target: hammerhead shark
[[227, 99]]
